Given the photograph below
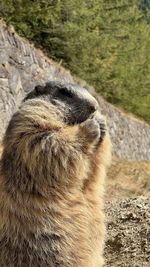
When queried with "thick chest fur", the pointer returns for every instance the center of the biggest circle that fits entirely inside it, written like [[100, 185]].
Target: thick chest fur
[[71, 240]]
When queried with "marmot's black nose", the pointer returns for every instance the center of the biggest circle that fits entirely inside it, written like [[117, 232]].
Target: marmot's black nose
[[92, 108]]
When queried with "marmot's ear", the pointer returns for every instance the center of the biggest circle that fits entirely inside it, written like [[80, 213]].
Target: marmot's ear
[[39, 89]]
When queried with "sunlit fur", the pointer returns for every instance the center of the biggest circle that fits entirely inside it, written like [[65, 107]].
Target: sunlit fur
[[51, 190]]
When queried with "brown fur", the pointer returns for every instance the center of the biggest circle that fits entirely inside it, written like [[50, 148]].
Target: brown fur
[[51, 190]]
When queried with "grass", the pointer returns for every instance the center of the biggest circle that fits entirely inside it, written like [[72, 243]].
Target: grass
[[128, 178]]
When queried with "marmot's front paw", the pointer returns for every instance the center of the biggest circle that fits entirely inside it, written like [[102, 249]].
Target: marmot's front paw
[[91, 130], [102, 125]]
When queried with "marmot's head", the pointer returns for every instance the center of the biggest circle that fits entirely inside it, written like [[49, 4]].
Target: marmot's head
[[76, 103]]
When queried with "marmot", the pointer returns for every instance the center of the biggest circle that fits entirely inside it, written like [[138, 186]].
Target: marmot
[[56, 150]]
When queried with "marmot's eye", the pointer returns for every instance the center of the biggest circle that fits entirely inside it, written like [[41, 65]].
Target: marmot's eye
[[66, 93], [39, 90]]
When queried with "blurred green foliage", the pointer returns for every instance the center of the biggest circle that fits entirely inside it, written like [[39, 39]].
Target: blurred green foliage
[[106, 43]]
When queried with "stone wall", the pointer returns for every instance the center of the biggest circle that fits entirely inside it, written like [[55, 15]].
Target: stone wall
[[130, 136], [22, 67]]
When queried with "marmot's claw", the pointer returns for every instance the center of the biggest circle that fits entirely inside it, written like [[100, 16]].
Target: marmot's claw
[[95, 128], [103, 130], [102, 125], [91, 129]]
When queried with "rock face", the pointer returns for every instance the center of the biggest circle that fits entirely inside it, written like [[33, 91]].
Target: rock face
[[128, 233], [22, 67]]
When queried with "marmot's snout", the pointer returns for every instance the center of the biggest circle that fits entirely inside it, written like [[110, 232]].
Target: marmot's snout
[[84, 106]]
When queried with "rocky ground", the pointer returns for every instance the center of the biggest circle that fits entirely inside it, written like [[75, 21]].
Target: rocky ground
[[128, 233]]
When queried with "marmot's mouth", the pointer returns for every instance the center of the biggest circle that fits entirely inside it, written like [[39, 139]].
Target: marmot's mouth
[[78, 119]]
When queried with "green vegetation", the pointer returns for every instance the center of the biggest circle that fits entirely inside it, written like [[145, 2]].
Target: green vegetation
[[106, 43], [144, 6]]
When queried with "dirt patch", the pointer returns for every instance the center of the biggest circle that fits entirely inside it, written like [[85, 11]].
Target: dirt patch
[[128, 233]]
